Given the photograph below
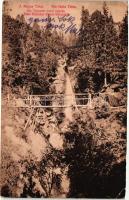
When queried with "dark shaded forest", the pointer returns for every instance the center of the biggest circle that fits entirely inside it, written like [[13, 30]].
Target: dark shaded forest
[[94, 143]]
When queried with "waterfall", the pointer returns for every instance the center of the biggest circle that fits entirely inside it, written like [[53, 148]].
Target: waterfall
[[64, 86], [69, 98], [105, 80], [69, 94]]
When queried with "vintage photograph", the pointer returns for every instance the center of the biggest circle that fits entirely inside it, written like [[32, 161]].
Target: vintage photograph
[[64, 99]]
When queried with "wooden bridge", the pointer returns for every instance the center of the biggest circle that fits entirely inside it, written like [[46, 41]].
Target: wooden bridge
[[59, 101], [50, 101], [35, 102]]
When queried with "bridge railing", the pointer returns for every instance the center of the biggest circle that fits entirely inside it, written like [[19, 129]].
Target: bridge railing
[[50, 100], [58, 100]]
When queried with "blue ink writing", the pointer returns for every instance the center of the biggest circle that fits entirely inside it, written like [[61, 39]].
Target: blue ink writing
[[65, 23]]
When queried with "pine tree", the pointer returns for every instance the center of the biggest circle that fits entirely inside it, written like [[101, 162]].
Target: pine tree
[[36, 26], [84, 35], [48, 29], [23, 19], [122, 53], [105, 9], [124, 31], [105, 38]]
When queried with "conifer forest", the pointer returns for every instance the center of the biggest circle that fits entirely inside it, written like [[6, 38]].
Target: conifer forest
[[64, 107]]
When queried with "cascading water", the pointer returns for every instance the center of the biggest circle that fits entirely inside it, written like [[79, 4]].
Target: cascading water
[[63, 88], [69, 99], [69, 96]]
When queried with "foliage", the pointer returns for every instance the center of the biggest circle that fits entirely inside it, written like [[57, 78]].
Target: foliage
[[91, 166], [95, 141], [98, 36], [31, 55], [124, 31]]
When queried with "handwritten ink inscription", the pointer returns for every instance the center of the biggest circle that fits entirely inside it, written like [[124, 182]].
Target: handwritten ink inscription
[[64, 23], [59, 19]]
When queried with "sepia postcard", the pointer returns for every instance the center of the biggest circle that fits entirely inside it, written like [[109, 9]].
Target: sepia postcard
[[64, 99]]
